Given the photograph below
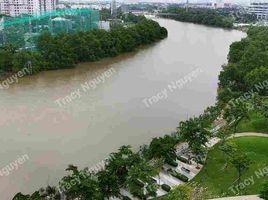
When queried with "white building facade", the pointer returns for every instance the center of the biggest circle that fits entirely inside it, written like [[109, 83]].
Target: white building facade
[[260, 9], [30, 7]]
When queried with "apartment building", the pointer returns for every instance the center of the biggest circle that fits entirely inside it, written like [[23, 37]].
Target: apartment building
[[31, 7], [260, 9]]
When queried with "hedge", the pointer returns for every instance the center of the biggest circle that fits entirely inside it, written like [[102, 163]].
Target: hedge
[[172, 163], [126, 198], [180, 176], [184, 160], [166, 187]]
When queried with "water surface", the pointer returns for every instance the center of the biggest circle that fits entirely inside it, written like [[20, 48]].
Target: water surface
[[87, 129]]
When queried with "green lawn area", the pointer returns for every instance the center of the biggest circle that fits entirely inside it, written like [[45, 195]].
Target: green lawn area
[[256, 123], [218, 181]]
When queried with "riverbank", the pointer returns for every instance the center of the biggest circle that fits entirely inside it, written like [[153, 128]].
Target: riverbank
[[107, 117], [198, 16], [65, 50]]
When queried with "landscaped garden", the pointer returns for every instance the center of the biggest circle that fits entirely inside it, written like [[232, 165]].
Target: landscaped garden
[[219, 178], [256, 123]]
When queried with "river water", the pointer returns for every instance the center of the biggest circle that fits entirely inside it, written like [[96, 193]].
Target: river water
[[112, 110]]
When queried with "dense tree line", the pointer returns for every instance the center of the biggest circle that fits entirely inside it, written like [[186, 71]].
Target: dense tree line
[[130, 170], [247, 68], [65, 50], [200, 16]]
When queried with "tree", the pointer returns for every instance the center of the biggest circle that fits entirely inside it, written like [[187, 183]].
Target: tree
[[6, 57], [229, 149], [108, 184], [258, 76], [120, 162], [264, 191], [241, 162], [80, 184], [235, 112], [139, 180], [34, 196], [194, 133], [158, 164], [50, 193], [163, 148]]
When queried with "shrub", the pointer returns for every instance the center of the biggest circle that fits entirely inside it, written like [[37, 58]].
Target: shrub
[[172, 163], [184, 160], [180, 176], [139, 183], [202, 162], [166, 187], [264, 191], [126, 198]]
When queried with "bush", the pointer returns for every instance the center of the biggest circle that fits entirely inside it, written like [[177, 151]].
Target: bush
[[184, 160], [180, 176], [202, 162], [139, 183], [264, 191], [166, 187], [126, 198], [172, 163]]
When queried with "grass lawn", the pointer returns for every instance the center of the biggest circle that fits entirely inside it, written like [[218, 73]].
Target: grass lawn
[[256, 123], [217, 181]]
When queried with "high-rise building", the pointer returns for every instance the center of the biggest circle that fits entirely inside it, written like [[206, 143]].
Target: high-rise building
[[260, 9], [113, 9], [31, 7]]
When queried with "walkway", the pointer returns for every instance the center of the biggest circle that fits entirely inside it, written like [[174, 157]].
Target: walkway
[[249, 197], [249, 134]]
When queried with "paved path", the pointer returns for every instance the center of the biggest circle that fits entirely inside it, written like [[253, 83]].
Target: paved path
[[248, 134], [249, 197]]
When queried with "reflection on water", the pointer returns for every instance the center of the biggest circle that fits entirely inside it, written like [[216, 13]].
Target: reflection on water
[[85, 130]]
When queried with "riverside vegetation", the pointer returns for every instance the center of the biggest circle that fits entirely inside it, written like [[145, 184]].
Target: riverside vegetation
[[247, 67], [65, 50], [199, 16]]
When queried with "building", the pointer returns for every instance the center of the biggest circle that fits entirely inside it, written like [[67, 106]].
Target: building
[[260, 9], [30, 7]]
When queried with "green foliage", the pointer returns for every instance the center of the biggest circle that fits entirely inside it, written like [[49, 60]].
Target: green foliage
[[172, 163], [181, 192], [179, 176], [166, 187], [258, 76], [80, 184], [163, 147], [195, 133], [120, 162], [108, 184], [139, 180], [241, 162], [218, 179], [247, 69], [34, 196], [234, 113], [257, 122], [200, 16], [182, 159], [65, 50], [264, 191]]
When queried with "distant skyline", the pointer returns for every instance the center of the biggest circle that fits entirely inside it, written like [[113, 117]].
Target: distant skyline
[[173, 1]]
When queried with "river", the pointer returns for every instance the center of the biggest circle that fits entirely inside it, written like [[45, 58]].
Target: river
[[113, 113]]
